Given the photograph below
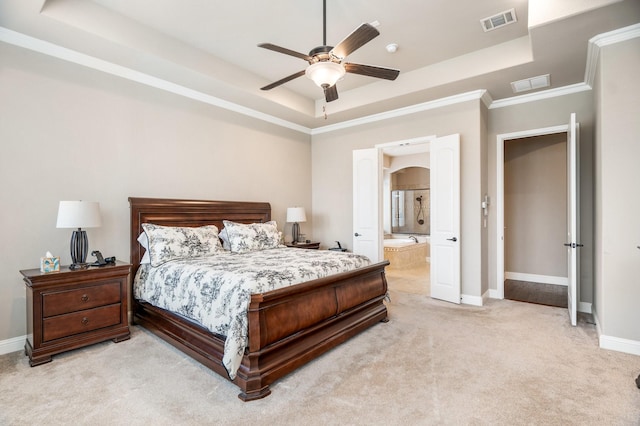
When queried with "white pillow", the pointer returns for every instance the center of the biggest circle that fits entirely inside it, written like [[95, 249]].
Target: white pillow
[[173, 242], [252, 237], [225, 239], [144, 242]]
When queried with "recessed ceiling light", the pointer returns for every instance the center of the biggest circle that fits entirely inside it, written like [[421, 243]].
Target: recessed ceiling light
[[531, 83]]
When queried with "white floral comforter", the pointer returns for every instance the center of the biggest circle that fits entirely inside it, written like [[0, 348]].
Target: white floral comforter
[[215, 291]]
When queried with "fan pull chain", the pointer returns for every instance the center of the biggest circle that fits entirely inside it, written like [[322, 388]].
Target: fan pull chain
[[324, 111]]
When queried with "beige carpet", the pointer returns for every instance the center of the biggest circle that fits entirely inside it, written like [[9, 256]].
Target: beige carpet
[[434, 363], [414, 280]]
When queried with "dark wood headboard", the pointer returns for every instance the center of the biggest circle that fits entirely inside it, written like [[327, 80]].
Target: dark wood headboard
[[168, 212]]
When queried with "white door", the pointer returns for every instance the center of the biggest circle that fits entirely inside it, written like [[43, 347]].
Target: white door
[[367, 183], [445, 218], [573, 219]]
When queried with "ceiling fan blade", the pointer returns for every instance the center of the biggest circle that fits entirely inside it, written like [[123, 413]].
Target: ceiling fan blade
[[372, 71], [284, 50], [282, 81], [331, 93], [358, 38]]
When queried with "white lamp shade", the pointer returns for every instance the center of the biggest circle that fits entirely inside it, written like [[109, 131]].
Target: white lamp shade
[[325, 74], [296, 214], [79, 214]]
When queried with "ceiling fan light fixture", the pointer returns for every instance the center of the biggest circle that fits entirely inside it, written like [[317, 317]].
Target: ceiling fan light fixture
[[325, 74], [326, 64]]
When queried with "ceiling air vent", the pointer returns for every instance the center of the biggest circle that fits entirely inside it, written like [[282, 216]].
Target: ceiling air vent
[[499, 20], [531, 83]]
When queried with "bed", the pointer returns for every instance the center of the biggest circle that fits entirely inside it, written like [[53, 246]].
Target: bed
[[287, 327]]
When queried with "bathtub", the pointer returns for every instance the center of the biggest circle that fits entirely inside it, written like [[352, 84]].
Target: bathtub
[[399, 242], [406, 253]]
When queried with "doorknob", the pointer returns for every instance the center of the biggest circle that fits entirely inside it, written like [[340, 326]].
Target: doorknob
[[454, 239], [357, 235], [573, 245]]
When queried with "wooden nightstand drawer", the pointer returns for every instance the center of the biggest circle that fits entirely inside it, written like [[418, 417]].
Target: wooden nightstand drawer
[[70, 309], [80, 322], [83, 298]]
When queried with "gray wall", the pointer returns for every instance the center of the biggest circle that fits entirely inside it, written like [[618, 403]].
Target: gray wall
[[535, 205], [69, 133], [617, 261]]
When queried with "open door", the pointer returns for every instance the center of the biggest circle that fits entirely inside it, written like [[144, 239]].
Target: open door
[[367, 181], [445, 218], [573, 219]]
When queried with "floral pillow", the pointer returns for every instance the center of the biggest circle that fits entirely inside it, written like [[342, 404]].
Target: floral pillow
[[169, 243], [244, 238]]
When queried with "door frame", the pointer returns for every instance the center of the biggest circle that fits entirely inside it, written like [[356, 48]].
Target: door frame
[[500, 140], [401, 144]]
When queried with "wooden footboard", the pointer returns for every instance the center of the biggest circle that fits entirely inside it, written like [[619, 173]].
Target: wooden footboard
[[291, 326], [288, 327]]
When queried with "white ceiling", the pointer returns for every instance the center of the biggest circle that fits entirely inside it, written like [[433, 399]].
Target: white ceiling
[[210, 46]]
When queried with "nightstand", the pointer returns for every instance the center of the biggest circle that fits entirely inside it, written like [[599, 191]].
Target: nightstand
[[70, 309], [310, 245]]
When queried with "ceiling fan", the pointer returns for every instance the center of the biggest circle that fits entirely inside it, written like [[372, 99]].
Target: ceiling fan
[[326, 64]]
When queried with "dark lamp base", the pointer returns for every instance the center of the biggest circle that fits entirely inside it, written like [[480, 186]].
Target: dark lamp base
[[295, 232], [79, 246]]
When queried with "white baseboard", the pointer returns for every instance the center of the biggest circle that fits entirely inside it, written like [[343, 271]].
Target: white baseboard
[[542, 279], [613, 343], [585, 307], [620, 345], [14, 344], [471, 300], [495, 294]]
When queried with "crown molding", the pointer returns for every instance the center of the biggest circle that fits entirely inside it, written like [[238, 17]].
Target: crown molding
[[605, 39], [545, 94], [50, 49], [59, 52], [399, 112]]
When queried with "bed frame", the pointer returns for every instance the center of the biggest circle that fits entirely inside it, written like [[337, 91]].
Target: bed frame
[[288, 327]]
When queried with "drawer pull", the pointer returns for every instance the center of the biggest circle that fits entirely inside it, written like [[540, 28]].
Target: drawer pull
[[85, 321], [84, 298]]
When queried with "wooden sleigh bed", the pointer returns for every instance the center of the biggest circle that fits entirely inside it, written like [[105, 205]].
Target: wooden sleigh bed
[[288, 327]]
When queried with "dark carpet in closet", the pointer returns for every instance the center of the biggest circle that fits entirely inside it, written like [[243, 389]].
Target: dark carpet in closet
[[542, 294]]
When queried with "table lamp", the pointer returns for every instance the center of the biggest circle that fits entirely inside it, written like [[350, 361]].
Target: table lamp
[[79, 214], [295, 215]]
